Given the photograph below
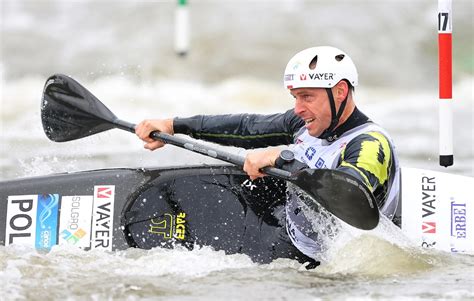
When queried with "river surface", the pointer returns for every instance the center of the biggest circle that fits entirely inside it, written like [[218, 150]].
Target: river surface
[[122, 51]]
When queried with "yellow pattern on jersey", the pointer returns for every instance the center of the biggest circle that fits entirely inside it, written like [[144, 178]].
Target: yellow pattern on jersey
[[378, 148]]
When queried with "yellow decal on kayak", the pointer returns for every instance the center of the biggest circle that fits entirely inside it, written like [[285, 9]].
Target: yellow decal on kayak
[[169, 226]]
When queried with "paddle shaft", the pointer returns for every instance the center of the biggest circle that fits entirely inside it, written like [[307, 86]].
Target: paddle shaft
[[207, 150]]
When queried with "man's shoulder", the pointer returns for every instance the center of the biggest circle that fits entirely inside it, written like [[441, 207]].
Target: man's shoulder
[[371, 131], [371, 138]]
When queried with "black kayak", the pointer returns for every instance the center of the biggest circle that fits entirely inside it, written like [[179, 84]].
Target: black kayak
[[115, 209]]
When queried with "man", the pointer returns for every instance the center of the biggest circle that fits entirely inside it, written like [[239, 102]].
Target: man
[[324, 130]]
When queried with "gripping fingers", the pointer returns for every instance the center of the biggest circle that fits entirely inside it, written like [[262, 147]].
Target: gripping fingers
[[252, 167], [143, 130], [153, 145]]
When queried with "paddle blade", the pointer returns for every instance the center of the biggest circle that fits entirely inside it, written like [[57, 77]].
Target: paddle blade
[[341, 194], [69, 111]]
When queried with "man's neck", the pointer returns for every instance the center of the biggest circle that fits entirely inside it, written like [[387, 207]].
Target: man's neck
[[354, 119]]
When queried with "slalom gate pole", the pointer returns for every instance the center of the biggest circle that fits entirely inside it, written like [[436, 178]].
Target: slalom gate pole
[[446, 157], [181, 34]]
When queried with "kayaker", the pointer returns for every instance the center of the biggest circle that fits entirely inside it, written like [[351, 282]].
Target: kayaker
[[323, 130]]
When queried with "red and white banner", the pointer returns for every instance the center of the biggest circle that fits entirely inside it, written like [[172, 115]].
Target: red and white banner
[[438, 210]]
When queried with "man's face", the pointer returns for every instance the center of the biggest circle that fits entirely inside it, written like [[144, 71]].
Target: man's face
[[312, 105]]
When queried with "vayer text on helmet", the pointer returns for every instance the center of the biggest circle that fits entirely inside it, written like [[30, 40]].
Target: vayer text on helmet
[[313, 76]]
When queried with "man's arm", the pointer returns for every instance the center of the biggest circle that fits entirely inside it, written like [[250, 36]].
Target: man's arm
[[241, 130]]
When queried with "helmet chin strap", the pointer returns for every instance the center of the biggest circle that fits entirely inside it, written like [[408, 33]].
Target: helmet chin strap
[[328, 133]]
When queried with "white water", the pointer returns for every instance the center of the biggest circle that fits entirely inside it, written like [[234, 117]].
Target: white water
[[121, 52], [369, 267]]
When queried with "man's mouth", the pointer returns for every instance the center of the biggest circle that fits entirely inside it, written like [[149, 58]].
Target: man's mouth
[[309, 120]]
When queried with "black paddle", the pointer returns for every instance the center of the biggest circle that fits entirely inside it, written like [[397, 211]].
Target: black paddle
[[69, 111]]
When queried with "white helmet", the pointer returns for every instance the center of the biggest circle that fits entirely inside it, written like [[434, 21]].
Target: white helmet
[[319, 67]]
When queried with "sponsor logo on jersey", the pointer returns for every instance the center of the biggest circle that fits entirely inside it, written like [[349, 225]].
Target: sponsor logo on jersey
[[320, 163], [103, 217], [309, 153]]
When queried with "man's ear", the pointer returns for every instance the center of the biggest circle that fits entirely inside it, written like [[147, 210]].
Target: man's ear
[[340, 90]]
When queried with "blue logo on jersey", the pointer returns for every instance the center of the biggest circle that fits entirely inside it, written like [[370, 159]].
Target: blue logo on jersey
[[47, 221], [319, 163], [310, 152]]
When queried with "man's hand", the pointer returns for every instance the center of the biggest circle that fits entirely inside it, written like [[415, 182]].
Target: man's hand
[[256, 160], [144, 128]]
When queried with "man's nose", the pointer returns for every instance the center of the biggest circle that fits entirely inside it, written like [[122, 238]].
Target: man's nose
[[299, 107]]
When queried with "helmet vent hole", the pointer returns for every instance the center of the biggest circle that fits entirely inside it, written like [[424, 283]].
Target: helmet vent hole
[[339, 57], [312, 64]]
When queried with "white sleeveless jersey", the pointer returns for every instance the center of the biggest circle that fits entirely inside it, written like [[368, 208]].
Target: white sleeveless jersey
[[319, 153]]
